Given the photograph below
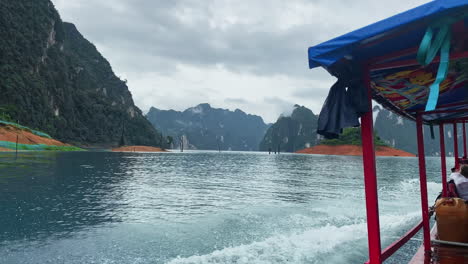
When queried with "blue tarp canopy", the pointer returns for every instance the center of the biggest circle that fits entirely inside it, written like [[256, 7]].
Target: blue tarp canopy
[[395, 33], [388, 50]]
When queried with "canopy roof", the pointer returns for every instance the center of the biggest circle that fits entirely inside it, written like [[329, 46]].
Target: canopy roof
[[388, 49]]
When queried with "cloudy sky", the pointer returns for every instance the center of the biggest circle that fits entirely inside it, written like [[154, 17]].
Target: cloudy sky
[[246, 54]]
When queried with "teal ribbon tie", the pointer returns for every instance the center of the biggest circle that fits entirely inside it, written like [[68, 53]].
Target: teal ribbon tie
[[428, 49]]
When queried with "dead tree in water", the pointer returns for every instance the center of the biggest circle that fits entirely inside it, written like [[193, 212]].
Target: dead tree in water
[[122, 137], [182, 144], [161, 142], [16, 155]]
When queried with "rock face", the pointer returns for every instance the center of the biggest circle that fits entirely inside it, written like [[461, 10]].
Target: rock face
[[400, 133], [53, 79], [292, 133], [204, 127]]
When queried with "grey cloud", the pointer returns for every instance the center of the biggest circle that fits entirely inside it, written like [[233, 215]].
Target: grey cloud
[[285, 107], [149, 36], [236, 101], [159, 37], [310, 93], [154, 36]]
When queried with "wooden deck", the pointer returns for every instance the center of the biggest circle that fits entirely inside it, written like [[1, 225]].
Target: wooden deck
[[441, 254]]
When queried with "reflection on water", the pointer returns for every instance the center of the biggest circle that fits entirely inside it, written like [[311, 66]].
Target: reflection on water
[[198, 207], [57, 193]]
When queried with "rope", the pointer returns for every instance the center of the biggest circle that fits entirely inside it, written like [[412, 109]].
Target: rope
[[429, 48]]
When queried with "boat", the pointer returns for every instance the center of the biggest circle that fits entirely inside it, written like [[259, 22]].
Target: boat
[[414, 64]]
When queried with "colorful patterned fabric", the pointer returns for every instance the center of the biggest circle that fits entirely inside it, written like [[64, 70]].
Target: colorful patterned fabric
[[407, 89]]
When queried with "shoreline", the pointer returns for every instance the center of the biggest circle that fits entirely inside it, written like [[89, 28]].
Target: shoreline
[[14, 138], [137, 149], [353, 150]]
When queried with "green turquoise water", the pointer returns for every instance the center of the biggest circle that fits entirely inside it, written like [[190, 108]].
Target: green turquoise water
[[200, 207]]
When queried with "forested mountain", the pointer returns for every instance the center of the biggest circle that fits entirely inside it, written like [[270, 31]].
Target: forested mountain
[[401, 133], [298, 131], [292, 133], [204, 127], [54, 80]]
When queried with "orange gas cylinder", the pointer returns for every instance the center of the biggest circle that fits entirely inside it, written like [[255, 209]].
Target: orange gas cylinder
[[452, 219]]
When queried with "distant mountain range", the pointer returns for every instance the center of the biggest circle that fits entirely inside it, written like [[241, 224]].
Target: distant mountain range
[[204, 127], [292, 133]]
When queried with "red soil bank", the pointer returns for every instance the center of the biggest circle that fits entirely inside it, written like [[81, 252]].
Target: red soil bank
[[138, 149], [10, 133], [352, 150]]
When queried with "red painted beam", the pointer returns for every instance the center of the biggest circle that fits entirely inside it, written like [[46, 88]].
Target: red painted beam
[[406, 63], [455, 120], [390, 250], [464, 140], [394, 55], [452, 104], [455, 145], [443, 164], [370, 180], [462, 110], [423, 185]]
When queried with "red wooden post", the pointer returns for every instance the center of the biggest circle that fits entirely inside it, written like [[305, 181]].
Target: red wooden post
[[370, 180], [443, 164], [423, 185], [455, 144], [464, 140]]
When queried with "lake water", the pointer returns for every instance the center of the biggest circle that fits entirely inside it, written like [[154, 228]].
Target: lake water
[[201, 207]]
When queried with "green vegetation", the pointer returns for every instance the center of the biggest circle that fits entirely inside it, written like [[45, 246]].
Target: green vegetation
[[5, 112], [52, 79], [35, 132], [38, 147], [351, 136], [62, 148]]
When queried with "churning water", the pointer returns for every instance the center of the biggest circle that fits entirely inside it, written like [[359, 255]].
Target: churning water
[[201, 207]]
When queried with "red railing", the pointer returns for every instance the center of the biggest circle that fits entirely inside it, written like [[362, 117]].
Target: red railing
[[443, 164], [464, 140], [386, 253], [370, 179], [376, 256], [423, 185], [455, 145]]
